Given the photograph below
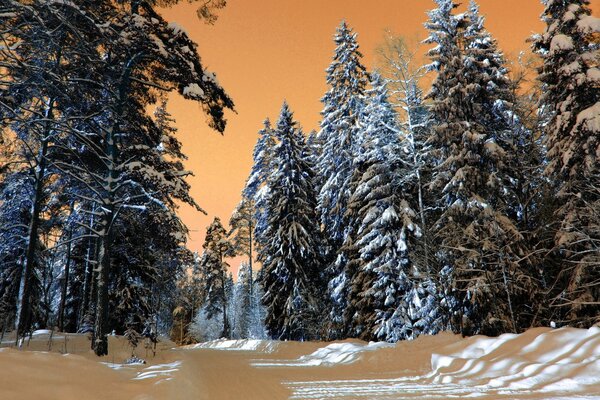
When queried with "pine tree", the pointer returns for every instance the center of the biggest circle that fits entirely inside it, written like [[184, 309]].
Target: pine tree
[[36, 96], [242, 229], [291, 275], [216, 248], [569, 50], [115, 59], [148, 53]]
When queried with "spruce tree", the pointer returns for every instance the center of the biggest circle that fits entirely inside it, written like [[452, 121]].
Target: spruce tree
[[569, 50], [347, 79], [480, 246], [383, 299], [339, 143], [291, 275], [256, 191]]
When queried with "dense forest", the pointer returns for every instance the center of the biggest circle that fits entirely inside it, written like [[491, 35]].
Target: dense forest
[[460, 195]]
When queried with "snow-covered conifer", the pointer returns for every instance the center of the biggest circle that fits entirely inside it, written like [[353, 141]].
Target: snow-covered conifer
[[216, 248], [347, 79], [291, 275], [256, 190], [339, 143], [569, 50], [480, 246], [382, 232]]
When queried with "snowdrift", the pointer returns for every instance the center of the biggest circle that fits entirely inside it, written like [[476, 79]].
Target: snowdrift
[[541, 363], [333, 354], [538, 364], [560, 360], [262, 346]]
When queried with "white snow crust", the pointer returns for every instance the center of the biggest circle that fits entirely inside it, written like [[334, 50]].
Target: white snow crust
[[540, 363], [330, 355], [263, 346]]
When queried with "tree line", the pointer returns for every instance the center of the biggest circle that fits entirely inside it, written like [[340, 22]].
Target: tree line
[[472, 206]]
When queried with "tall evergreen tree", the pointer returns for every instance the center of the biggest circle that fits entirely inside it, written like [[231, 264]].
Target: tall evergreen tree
[[339, 144], [569, 49], [242, 229], [479, 244], [383, 300], [43, 57], [114, 58], [216, 248], [291, 274], [347, 79], [256, 191]]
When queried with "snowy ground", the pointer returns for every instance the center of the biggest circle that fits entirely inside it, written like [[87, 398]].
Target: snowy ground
[[539, 364]]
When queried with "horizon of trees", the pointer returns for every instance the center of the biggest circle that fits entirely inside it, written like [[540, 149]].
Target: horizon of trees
[[471, 204]]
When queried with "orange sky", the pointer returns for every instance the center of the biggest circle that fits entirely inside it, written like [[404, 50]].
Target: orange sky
[[264, 51]]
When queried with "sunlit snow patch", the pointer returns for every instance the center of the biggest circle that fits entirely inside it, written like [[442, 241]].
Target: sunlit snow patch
[[263, 346], [333, 354], [163, 371], [397, 389], [559, 361]]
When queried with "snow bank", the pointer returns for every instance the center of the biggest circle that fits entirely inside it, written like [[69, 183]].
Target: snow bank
[[333, 354], [163, 371], [263, 346], [538, 364], [561, 360], [41, 332]]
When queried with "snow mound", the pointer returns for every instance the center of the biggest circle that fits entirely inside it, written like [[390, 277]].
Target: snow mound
[[262, 346], [333, 354], [163, 371], [160, 372], [538, 364], [561, 360], [41, 332]]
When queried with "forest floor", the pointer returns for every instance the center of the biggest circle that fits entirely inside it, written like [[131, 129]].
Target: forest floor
[[538, 364]]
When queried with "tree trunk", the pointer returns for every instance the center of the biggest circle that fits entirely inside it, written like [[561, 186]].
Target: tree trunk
[[225, 322], [88, 275], [24, 307], [100, 336], [65, 285], [100, 340], [250, 254]]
